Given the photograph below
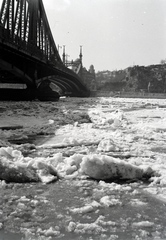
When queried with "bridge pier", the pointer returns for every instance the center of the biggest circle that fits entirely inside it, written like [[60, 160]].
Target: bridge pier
[[45, 93]]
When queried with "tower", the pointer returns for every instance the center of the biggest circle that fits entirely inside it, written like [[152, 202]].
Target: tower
[[63, 55], [81, 55]]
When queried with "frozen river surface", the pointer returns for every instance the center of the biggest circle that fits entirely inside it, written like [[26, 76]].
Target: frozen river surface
[[83, 169]]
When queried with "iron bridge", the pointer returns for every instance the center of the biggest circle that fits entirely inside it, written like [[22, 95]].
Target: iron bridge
[[29, 56]]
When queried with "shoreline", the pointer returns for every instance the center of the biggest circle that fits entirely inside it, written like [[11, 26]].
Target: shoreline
[[128, 94]]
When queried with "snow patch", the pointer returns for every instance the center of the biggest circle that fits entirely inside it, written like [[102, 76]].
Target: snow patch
[[109, 201], [86, 209], [107, 145], [143, 224], [97, 227]]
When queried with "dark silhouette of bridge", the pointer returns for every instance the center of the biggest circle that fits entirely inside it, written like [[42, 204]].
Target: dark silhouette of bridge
[[29, 59]]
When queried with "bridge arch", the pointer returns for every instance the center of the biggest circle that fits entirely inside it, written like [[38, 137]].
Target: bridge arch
[[66, 85], [60, 86]]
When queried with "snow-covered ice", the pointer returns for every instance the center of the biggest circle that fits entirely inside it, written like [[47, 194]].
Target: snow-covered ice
[[103, 139]]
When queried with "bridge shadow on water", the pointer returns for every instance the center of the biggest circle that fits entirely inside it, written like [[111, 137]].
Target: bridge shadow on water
[[28, 95]]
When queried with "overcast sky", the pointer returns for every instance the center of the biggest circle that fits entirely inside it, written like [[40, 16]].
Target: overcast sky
[[115, 34]]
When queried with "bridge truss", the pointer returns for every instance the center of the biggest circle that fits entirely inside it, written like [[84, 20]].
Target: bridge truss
[[28, 50]]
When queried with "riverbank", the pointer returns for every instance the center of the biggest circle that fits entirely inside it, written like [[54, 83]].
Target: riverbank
[[128, 94]]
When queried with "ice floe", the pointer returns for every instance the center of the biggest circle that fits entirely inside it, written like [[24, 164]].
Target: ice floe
[[106, 167], [16, 168], [104, 139]]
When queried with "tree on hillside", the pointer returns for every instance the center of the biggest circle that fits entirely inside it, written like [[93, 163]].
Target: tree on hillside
[[163, 61]]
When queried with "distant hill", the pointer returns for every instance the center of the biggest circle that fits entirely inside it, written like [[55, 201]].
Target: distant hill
[[135, 79]]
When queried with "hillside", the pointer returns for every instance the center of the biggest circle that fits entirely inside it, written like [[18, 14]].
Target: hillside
[[134, 79]]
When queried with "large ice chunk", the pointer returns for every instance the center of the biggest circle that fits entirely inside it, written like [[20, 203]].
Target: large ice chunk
[[13, 172], [104, 167], [107, 145], [15, 168]]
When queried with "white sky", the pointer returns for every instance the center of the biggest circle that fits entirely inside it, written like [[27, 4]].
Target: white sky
[[115, 34]]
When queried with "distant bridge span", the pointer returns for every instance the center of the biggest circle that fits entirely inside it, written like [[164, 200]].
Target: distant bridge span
[[29, 53]]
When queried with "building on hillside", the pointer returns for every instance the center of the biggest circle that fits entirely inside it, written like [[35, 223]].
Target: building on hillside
[[89, 78]]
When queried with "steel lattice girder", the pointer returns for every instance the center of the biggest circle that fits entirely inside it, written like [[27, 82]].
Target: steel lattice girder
[[26, 22]]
